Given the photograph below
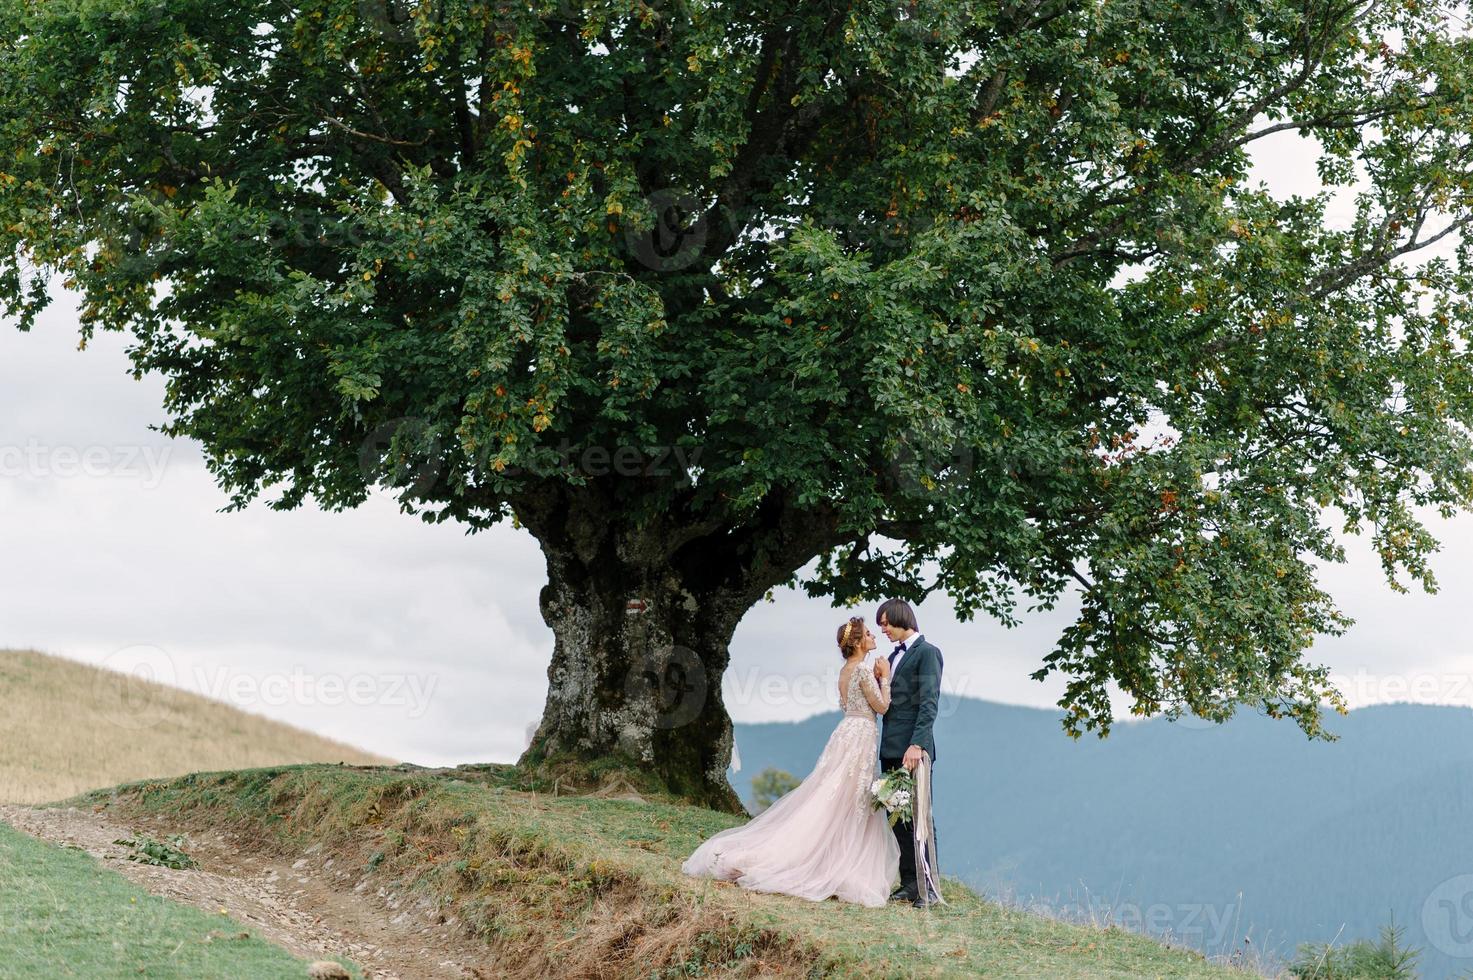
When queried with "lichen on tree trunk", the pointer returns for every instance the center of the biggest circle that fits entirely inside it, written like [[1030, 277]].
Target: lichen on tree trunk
[[642, 615], [636, 676]]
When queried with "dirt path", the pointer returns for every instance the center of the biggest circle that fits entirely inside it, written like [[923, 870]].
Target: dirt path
[[308, 907]]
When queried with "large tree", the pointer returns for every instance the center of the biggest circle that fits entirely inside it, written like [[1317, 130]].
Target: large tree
[[700, 292]]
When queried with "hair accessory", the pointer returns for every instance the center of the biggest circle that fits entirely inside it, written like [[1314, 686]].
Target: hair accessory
[[844, 636]]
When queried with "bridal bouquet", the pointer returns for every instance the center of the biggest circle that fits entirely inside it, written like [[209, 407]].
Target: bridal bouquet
[[895, 791]]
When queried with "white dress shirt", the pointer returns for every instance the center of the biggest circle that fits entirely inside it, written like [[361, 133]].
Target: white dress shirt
[[909, 646]]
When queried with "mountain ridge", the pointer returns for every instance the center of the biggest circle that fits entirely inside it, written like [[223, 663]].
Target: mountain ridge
[[1247, 822]]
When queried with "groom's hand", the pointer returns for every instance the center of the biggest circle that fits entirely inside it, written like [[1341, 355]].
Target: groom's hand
[[912, 757]]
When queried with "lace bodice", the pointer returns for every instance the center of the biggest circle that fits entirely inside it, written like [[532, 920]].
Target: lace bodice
[[854, 701]]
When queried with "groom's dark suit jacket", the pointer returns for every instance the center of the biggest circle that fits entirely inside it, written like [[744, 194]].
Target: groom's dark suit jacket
[[915, 693]]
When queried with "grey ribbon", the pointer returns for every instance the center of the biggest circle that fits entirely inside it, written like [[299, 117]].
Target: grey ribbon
[[924, 828]]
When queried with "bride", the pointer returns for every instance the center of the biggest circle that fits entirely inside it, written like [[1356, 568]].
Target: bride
[[824, 837]]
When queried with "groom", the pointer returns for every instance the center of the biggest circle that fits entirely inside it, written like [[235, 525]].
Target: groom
[[915, 690]]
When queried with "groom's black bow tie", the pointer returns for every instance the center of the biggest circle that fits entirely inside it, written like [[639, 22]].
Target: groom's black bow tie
[[899, 649]]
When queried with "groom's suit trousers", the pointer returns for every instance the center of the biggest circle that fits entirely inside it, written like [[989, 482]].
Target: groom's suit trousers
[[905, 834]]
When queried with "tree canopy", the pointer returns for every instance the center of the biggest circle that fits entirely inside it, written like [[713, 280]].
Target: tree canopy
[[963, 296]]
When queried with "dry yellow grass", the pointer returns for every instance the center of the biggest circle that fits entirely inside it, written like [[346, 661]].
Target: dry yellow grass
[[67, 727]]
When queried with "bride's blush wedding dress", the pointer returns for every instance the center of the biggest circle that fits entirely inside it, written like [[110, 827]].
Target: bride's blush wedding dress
[[824, 837]]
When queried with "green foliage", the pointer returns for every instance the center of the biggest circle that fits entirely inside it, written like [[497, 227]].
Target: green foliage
[[162, 854], [900, 780], [944, 269], [771, 783], [1361, 960]]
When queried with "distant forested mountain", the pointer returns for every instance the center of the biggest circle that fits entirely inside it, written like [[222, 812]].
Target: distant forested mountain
[[1213, 833]]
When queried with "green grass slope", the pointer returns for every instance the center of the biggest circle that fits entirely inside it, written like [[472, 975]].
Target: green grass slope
[[591, 886], [62, 914]]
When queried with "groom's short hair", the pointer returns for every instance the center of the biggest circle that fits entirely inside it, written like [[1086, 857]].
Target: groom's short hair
[[897, 612]]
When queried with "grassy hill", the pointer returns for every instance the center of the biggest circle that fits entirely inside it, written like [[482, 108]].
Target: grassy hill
[[590, 886], [68, 727]]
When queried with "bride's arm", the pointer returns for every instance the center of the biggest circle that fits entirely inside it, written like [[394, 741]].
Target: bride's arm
[[876, 693]]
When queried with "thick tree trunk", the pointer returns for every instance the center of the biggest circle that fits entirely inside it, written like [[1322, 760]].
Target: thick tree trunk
[[642, 616], [636, 679], [640, 651]]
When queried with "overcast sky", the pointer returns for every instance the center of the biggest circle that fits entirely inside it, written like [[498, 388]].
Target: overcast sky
[[425, 644]]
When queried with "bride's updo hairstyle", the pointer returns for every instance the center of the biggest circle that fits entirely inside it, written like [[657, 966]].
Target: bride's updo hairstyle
[[851, 635]]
